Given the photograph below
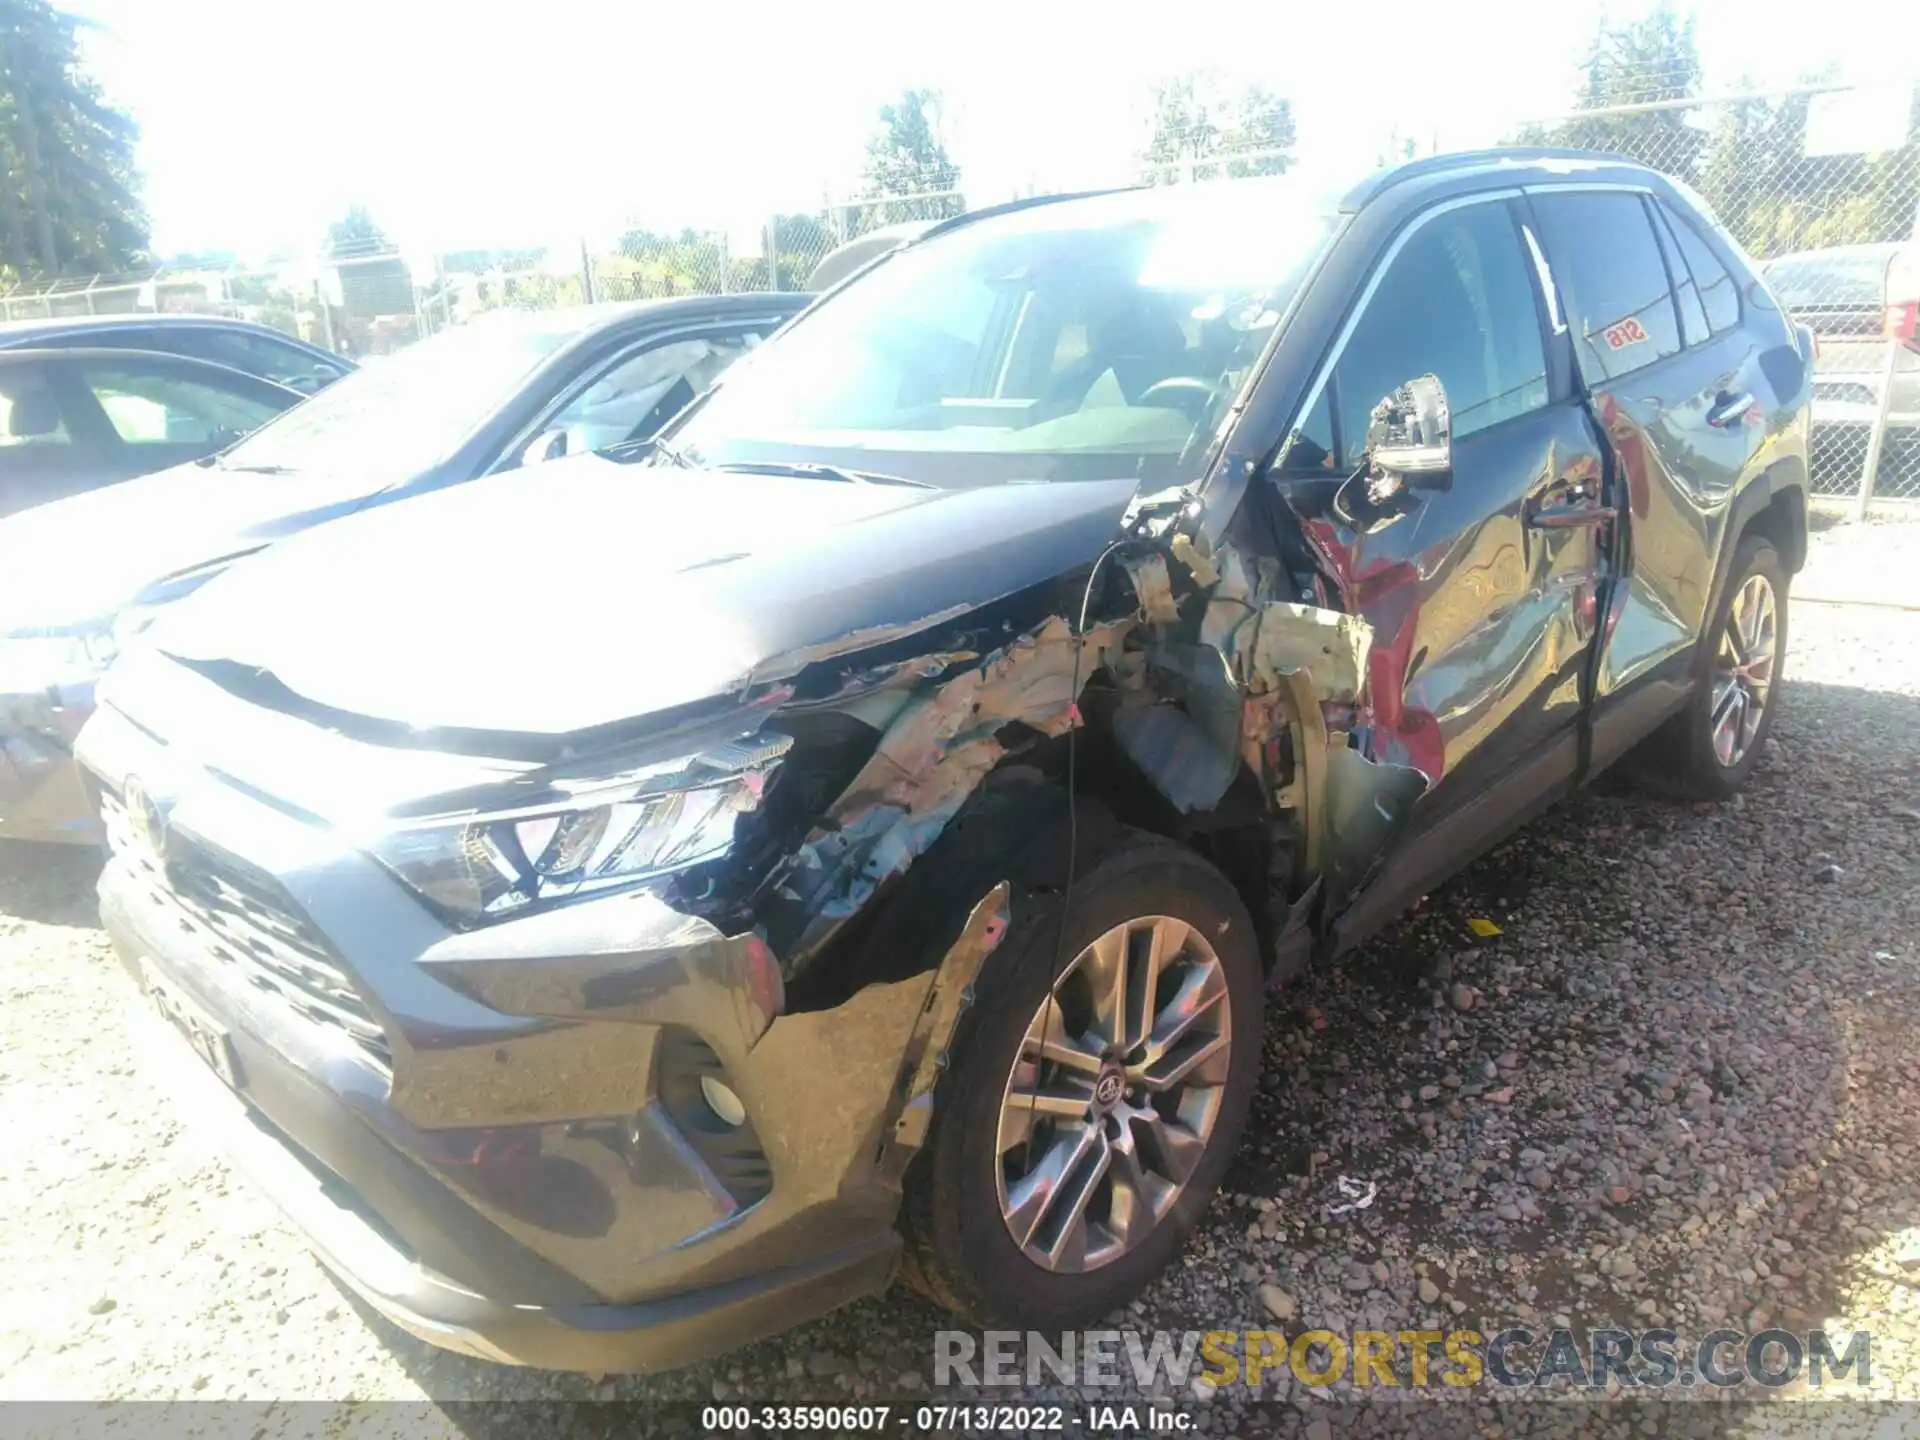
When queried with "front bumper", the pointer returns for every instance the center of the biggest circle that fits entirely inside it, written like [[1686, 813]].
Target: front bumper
[[649, 1335], [486, 1134], [41, 793]]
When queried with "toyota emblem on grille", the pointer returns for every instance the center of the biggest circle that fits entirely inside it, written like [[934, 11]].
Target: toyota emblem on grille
[[144, 815]]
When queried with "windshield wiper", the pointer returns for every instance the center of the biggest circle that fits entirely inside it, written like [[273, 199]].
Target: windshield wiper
[[218, 461], [814, 470], [645, 450]]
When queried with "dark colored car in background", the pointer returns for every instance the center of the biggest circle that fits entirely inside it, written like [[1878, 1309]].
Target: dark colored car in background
[[80, 576], [1862, 303], [630, 907], [238, 344], [74, 420]]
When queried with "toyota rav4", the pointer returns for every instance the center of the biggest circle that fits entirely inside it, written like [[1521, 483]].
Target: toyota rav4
[[631, 906]]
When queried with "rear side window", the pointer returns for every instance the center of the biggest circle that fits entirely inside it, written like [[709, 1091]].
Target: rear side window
[[1608, 267], [1718, 293], [1456, 302], [1693, 315]]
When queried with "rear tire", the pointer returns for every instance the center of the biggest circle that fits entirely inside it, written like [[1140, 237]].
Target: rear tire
[[964, 1193], [1708, 750]]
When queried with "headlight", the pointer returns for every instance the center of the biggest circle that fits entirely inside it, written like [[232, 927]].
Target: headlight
[[617, 831]]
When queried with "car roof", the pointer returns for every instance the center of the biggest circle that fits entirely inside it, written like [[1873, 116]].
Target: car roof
[[1412, 179], [579, 321], [165, 320], [23, 355]]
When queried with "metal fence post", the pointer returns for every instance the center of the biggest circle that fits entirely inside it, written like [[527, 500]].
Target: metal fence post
[[586, 273], [773, 253], [1870, 468]]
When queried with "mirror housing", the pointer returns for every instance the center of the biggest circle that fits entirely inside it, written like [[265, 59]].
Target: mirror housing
[[547, 445], [1410, 436]]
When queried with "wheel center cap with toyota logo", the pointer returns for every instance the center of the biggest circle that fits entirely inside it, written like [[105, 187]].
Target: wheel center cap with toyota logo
[[1108, 1089]]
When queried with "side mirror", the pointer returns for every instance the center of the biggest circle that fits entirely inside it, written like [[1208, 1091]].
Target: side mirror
[[1410, 437], [547, 445]]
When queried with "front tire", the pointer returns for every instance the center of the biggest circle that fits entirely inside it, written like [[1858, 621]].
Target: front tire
[[1087, 1118]]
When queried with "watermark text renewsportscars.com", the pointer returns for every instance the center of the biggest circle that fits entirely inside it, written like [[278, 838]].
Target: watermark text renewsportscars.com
[[1511, 1358]]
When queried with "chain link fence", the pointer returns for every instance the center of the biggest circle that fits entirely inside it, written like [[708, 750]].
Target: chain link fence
[[1821, 184]]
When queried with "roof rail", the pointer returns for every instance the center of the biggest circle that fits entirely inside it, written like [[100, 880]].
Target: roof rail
[[1381, 181]]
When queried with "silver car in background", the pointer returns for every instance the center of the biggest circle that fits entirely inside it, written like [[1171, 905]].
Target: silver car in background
[[1858, 299]]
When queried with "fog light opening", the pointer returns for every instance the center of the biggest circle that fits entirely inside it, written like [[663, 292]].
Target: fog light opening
[[723, 1102]]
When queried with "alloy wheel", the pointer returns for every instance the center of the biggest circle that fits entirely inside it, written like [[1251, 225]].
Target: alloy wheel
[[1114, 1094], [1743, 671]]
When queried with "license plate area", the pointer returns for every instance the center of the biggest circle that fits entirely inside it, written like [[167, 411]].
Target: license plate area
[[207, 1036]]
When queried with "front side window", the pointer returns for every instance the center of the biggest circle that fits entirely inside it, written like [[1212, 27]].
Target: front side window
[[263, 356], [1456, 302], [413, 409], [1604, 255], [1101, 338], [147, 408]]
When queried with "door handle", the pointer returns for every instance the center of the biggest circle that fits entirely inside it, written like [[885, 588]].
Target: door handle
[[1567, 517], [1730, 409]]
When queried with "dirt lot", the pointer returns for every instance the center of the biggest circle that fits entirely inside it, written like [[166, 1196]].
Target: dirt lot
[[1679, 1086]]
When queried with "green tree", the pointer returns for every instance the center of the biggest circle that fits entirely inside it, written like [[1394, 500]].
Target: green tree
[[1775, 197], [1200, 124], [355, 233], [907, 156], [800, 242], [1262, 130], [70, 198], [1640, 62]]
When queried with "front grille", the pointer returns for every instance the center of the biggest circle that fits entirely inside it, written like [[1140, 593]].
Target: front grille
[[241, 916]]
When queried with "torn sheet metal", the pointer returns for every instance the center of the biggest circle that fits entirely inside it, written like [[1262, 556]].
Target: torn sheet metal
[[1250, 681], [940, 746], [1264, 638], [1154, 587], [949, 993], [1182, 725]]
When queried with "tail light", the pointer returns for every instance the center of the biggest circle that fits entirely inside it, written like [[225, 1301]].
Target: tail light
[[1903, 323]]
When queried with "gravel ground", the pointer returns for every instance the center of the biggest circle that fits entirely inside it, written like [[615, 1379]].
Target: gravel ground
[[1677, 1088]]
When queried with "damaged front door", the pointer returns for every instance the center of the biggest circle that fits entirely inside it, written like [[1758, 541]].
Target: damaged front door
[[1481, 603]]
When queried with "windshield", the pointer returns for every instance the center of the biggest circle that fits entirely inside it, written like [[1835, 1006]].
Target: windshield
[[1099, 338], [1831, 280], [400, 414]]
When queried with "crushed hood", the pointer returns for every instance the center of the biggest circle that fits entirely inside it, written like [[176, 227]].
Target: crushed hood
[[76, 562], [584, 592]]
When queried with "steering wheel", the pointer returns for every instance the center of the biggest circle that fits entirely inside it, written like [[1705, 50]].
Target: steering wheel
[[1181, 392]]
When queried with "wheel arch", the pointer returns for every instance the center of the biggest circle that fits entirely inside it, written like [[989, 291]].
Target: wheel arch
[[1782, 517]]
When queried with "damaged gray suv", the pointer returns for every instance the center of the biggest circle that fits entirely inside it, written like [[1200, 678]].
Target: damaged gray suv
[[628, 907]]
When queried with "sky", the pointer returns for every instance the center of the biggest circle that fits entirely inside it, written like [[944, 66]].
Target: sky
[[473, 126]]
